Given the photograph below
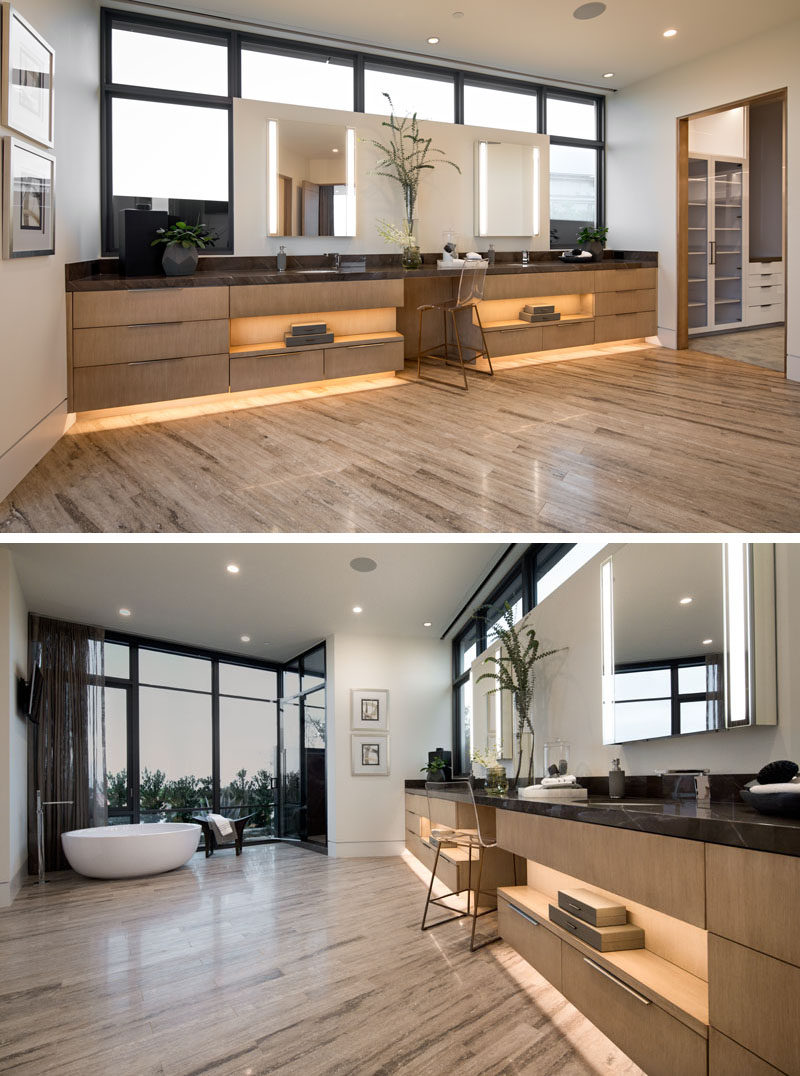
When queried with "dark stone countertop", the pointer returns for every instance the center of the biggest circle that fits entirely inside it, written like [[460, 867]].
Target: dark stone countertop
[[215, 270], [731, 822]]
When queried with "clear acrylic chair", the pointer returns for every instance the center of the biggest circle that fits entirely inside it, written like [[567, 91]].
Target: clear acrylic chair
[[455, 350], [471, 840]]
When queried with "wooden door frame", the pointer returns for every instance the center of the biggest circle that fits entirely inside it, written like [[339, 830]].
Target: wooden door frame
[[682, 246]]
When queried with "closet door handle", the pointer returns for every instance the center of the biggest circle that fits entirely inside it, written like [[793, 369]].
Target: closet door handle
[[712, 253], [617, 982], [530, 919]]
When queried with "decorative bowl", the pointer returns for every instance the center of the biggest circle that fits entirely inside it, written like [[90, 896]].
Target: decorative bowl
[[778, 803]]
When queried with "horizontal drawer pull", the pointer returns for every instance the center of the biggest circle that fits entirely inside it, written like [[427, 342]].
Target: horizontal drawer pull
[[354, 347], [530, 919], [570, 905], [181, 288], [617, 982], [146, 362], [151, 324]]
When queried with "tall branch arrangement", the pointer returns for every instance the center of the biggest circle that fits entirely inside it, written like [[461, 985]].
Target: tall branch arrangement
[[406, 155], [513, 672]]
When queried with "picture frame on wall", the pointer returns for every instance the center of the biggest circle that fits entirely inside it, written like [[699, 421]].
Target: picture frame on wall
[[27, 70], [369, 710], [29, 181], [369, 755]]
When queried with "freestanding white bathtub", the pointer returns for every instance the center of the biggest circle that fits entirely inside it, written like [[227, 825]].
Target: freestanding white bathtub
[[130, 851]]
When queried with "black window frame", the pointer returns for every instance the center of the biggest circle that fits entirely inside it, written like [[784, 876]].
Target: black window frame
[[237, 40], [675, 697]]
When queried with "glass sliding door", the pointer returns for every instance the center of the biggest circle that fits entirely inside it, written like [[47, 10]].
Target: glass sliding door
[[728, 239], [248, 743], [314, 730], [291, 776]]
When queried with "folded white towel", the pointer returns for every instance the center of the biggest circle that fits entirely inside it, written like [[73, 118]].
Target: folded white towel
[[222, 827], [559, 782], [784, 786]]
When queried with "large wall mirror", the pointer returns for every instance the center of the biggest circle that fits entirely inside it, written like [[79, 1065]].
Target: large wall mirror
[[688, 639], [310, 179], [507, 189]]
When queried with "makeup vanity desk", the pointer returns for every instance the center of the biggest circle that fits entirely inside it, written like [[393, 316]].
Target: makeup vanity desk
[[139, 340], [716, 890]]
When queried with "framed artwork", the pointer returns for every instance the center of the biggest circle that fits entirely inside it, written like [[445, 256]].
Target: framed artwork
[[370, 756], [28, 63], [29, 177], [369, 710]]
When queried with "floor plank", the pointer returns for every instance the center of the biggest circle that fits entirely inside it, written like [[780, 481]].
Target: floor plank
[[759, 347], [612, 439], [280, 961]]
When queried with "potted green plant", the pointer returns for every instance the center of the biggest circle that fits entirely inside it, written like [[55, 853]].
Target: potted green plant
[[182, 242], [405, 156], [513, 672], [434, 768], [593, 240]]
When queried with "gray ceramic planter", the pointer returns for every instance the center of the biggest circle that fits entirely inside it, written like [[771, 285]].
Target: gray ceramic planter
[[179, 261]]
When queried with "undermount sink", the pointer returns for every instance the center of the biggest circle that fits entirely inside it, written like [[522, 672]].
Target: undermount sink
[[625, 803], [307, 272]]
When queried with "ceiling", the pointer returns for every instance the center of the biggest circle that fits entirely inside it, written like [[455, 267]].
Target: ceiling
[[533, 37], [286, 596]]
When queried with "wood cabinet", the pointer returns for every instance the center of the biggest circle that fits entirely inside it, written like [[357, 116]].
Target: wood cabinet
[[350, 360], [270, 371], [96, 387], [625, 280], [524, 285], [728, 1058], [514, 340], [530, 938], [253, 300], [132, 343], [624, 327], [148, 305]]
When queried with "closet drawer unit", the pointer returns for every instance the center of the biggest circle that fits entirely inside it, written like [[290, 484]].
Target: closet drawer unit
[[752, 998], [757, 279], [129, 343], [758, 295], [530, 284], [625, 279], [120, 385], [252, 300], [624, 327], [567, 334], [765, 269], [533, 941], [766, 315], [140, 305], [270, 371], [660, 1044], [624, 302], [514, 341], [354, 359]]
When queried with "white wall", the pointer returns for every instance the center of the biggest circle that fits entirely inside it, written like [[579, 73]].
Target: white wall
[[446, 198], [642, 157], [13, 732], [568, 702], [366, 814], [33, 375]]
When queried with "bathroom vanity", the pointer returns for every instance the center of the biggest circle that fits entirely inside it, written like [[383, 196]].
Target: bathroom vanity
[[141, 340], [716, 890]]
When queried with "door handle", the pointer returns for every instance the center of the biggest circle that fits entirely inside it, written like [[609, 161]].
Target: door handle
[[617, 982], [713, 252]]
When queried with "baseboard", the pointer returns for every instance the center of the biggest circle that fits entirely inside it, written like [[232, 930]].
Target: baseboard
[[361, 849], [793, 367], [24, 454], [666, 338], [9, 890]]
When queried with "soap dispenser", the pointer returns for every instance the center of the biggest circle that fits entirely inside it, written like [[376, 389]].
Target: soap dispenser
[[282, 259], [616, 781], [491, 254]]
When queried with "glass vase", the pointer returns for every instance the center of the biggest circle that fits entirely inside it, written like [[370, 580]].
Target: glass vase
[[412, 256], [496, 780]]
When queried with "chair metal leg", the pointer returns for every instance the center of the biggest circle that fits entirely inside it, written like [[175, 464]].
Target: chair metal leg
[[419, 346], [457, 913], [485, 345], [460, 352], [475, 915]]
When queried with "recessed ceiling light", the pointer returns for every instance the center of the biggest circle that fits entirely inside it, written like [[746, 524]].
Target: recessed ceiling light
[[707, 642], [608, 74], [686, 601], [363, 564], [427, 624], [357, 609], [124, 612], [670, 33], [588, 11], [433, 40], [245, 638], [232, 568], [335, 149]]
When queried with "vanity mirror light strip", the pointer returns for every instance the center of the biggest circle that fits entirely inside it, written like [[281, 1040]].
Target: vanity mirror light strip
[[607, 644]]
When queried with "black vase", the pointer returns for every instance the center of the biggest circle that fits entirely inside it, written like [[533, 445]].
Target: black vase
[[137, 230]]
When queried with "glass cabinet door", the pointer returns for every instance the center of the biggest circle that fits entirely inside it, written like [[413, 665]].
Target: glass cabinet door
[[727, 257], [699, 258]]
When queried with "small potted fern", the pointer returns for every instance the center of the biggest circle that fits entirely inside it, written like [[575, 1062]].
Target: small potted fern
[[182, 242], [593, 240]]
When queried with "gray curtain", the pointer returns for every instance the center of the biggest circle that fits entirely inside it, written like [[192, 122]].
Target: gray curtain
[[66, 748]]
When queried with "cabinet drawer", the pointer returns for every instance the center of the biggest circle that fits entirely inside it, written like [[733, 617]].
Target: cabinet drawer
[[625, 279], [357, 359], [129, 343], [95, 387], [763, 914], [624, 302], [766, 315], [566, 334], [753, 1000], [530, 285], [534, 942], [454, 875], [624, 327], [252, 300], [664, 873], [134, 307], [656, 1041], [417, 803], [516, 341], [765, 269], [728, 1058], [764, 293], [269, 371]]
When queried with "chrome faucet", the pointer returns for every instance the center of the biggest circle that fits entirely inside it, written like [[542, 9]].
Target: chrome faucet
[[336, 260], [702, 788], [524, 257]]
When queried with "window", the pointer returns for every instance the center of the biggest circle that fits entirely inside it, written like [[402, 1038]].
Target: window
[[431, 96], [573, 192], [557, 571], [297, 78], [143, 57], [668, 699], [493, 106], [571, 118]]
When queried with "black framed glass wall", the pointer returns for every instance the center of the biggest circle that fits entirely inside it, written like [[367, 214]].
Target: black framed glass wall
[[167, 103]]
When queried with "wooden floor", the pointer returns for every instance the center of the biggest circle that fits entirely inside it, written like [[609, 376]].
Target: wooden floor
[[281, 961], [641, 440], [759, 347]]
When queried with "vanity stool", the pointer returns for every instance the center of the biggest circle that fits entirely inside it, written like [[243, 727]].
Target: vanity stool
[[471, 840], [459, 347]]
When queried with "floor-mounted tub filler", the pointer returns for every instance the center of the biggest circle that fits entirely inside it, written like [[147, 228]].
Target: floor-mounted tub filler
[[132, 850]]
